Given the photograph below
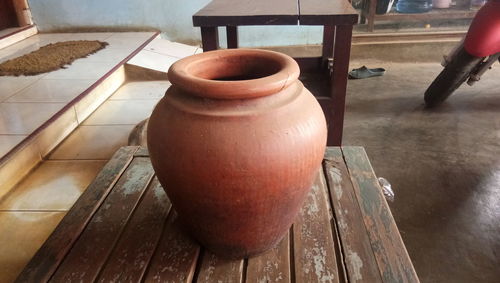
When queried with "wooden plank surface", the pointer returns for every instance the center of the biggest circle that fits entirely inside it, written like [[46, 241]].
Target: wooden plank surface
[[175, 257], [216, 269], [247, 12], [132, 253], [123, 229], [48, 257], [87, 256], [314, 249], [272, 266], [325, 12], [142, 152], [388, 247], [358, 254]]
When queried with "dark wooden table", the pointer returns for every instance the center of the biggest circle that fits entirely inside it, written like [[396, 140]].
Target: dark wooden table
[[336, 16], [123, 229]]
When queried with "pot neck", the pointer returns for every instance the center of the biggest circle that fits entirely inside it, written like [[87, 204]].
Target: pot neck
[[234, 73]]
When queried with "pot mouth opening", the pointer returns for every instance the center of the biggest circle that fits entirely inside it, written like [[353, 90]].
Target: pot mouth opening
[[234, 73], [235, 68]]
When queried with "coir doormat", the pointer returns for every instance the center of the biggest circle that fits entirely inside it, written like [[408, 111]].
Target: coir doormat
[[50, 57]]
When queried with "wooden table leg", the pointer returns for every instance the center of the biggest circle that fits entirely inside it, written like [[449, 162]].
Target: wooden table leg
[[371, 14], [328, 35], [232, 36], [342, 51], [209, 38]]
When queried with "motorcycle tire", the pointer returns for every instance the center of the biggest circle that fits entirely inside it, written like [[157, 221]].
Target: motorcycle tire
[[452, 77]]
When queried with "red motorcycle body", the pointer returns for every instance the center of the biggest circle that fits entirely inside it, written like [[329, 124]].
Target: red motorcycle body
[[483, 37]]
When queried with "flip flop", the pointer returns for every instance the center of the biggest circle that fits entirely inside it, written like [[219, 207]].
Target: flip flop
[[364, 72]]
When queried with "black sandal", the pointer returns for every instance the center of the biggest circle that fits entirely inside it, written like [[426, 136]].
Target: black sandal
[[364, 72]]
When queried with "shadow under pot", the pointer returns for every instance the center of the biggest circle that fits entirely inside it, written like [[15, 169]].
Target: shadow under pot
[[236, 143]]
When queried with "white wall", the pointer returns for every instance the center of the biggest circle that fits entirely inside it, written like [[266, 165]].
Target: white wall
[[172, 17]]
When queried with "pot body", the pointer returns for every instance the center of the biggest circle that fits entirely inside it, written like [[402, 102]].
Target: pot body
[[237, 170]]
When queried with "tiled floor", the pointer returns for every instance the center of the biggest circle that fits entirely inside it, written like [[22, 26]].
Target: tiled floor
[[93, 142], [46, 194], [9, 141], [62, 180], [35, 206], [159, 54], [23, 232], [26, 102]]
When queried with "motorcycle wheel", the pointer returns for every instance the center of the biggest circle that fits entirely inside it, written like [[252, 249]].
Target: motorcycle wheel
[[453, 75]]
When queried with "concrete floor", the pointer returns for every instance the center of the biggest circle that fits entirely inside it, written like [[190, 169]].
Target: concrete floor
[[443, 165]]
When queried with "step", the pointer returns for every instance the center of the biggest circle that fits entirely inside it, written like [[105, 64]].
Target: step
[[42, 125], [11, 36]]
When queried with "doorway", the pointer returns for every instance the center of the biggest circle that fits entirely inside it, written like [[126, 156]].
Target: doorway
[[8, 18]]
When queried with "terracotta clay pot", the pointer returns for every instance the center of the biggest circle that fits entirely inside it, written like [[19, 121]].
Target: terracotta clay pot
[[237, 142]]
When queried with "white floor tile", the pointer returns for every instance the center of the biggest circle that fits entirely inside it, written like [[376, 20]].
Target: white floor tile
[[24, 118], [121, 112], [47, 90], [122, 40], [93, 142], [174, 49], [81, 69], [153, 60], [139, 35], [109, 55], [8, 142], [23, 233], [54, 185], [10, 85], [141, 90]]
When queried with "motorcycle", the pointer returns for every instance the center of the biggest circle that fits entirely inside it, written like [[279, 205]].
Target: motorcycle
[[471, 58]]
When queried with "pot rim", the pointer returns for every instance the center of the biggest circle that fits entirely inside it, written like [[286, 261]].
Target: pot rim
[[180, 74]]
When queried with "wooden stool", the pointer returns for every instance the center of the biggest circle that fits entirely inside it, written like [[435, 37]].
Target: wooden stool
[[337, 19]]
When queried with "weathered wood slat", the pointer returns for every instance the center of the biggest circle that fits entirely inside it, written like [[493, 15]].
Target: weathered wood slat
[[271, 266], [314, 250], [343, 276], [247, 12], [175, 257], [130, 258], [335, 233], [390, 253], [358, 254], [48, 257], [215, 269], [89, 253], [121, 230], [142, 151]]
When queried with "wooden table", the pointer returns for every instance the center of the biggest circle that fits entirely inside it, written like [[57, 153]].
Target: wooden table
[[337, 17], [123, 228]]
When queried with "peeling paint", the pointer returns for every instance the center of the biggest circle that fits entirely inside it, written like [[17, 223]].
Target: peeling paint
[[336, 176], [342, 223], [159, 193], [356, 263], [313, 206], [319, 260]]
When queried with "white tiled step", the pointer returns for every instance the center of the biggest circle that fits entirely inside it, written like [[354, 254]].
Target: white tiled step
[[19, 162], [28, 102], [16, 35], [160, 54]]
